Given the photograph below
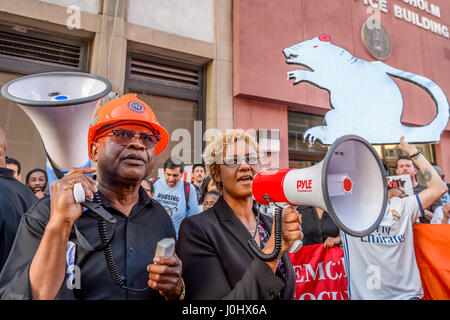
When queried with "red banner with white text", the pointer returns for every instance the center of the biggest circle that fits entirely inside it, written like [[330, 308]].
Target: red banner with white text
[[319, 273]]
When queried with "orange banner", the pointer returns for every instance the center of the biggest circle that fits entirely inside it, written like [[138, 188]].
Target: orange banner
[[432, 247]]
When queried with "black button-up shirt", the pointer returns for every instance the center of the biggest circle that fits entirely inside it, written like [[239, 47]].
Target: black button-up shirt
[[134, 244]]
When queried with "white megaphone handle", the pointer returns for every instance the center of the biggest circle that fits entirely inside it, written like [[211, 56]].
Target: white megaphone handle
[[296, 246], [78, 193], [297, 243]]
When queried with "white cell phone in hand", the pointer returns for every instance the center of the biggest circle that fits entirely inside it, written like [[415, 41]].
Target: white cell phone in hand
[[165, 247]]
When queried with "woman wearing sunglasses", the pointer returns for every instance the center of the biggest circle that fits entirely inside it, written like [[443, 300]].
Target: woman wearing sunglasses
[[213, 246]]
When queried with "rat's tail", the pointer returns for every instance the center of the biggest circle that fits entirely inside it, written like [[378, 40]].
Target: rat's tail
[[432, 131]]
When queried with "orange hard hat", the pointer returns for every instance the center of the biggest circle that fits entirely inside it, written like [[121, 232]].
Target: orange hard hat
[[126, 109]]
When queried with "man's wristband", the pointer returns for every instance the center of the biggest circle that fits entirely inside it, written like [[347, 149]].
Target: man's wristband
[[183, 291], [414, 155]]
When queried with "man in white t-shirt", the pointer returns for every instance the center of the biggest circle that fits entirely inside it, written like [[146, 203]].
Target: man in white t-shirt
[[441, 214], [383, 265]]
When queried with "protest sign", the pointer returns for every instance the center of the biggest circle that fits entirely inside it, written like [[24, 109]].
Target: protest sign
[[401, 182], [319, 273]]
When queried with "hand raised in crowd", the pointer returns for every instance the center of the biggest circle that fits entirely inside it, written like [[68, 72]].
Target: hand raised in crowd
[[291, 227], [332, 241], [165, 276], [428, 214], [409, 149], [63, 207]]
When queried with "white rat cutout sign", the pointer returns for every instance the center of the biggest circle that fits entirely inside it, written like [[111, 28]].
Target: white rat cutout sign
[[365, 100]]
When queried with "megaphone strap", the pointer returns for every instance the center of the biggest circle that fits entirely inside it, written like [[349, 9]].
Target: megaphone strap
[[84, 243]]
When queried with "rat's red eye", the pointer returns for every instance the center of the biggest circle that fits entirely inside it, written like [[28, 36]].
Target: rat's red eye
[[325, 37], [316, 46]]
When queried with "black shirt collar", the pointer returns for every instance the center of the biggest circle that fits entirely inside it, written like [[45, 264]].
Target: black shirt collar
[[7, 173], [144, 201]]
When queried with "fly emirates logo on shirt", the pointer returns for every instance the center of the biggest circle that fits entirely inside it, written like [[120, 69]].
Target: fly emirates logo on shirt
[[384, 235]]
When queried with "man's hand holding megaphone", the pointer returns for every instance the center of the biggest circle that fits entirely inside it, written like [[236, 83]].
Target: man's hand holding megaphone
[[64, 209], [292, 231]]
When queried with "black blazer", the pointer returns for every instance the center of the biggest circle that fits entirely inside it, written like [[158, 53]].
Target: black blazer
[[218, 263]]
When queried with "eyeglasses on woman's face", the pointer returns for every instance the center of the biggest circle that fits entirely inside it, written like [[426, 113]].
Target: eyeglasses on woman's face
[[233, 161]]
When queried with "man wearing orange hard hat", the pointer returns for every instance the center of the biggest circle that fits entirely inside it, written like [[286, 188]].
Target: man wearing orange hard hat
[[65, 253], [123, 111]]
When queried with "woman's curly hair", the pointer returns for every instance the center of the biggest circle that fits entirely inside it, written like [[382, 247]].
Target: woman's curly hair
[[213, 154]]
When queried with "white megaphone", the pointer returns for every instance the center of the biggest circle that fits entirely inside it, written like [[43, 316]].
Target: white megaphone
[[60, 104], [350, 184]]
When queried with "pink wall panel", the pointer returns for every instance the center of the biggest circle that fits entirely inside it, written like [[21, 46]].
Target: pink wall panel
[[261, 30], [251, 114]]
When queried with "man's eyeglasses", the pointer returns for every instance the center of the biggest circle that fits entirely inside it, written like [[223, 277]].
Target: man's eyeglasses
[[234, 161], [124, 137]]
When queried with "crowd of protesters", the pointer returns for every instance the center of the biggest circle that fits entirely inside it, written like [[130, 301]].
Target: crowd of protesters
[[212, 217]]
